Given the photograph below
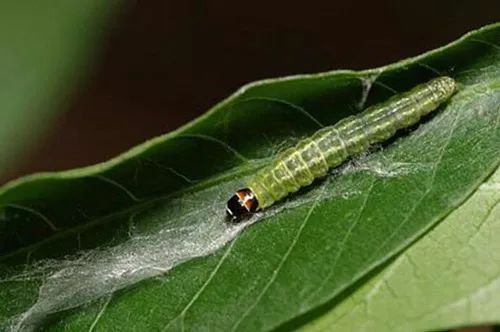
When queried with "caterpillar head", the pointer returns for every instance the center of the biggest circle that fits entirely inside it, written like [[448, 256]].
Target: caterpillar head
[[242, 203]]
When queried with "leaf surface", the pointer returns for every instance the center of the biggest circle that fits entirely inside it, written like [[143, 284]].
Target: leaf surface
[[143, 237]]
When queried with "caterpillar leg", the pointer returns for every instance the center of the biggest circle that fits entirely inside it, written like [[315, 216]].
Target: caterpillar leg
[[242, 203]]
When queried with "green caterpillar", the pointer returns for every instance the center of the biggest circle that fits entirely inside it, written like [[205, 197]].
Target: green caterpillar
[[329, 147]]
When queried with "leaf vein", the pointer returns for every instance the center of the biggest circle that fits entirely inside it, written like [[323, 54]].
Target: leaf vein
[[34, 212], [281, 263], [291, 105], [212, 274], [343, 242], [427, 191], [117, 185], [99, 315], [217, 141]]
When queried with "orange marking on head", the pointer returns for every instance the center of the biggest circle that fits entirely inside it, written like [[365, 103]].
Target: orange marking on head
[[249, 204]]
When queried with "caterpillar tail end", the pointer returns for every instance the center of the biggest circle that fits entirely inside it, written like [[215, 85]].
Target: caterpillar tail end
[[241, 205]]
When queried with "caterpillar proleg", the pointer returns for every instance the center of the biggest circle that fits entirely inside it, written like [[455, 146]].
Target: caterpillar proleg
[[329, 147]]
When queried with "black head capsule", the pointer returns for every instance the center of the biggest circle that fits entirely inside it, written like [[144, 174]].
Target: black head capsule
[[241, 204]]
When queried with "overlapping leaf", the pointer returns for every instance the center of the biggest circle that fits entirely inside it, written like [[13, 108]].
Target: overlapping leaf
[[450, 278]]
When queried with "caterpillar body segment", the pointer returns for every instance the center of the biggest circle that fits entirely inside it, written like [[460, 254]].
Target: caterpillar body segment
[[329, 147]]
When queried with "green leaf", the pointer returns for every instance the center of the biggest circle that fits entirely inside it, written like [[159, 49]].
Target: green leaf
[[449, 278], [44, 51], [107, 235]]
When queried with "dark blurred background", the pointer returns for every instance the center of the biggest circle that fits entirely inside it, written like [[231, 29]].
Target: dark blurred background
[[163, 63]]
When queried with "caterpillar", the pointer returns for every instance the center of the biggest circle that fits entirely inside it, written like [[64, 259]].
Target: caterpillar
[[330, 146]]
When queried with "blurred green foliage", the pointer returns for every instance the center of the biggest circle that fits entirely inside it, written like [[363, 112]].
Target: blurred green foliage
[[45, 48]]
